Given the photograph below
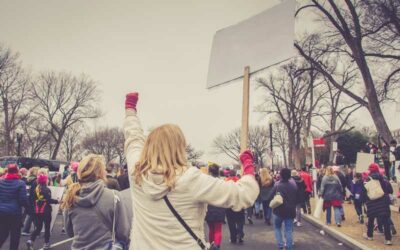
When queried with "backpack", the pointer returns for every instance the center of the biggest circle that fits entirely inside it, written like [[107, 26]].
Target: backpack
[[374, 189]]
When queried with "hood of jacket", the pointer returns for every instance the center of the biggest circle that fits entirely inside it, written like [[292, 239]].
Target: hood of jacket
[[90, 193], [154, 186]]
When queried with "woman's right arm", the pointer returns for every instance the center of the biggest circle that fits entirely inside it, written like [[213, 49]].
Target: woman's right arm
[[323, 182], [133, 132]]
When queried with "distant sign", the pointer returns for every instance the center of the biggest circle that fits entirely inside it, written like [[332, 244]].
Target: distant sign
[[259, 42], [363, 161]]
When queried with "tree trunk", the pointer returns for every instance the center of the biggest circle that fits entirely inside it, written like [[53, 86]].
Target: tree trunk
[[374, 107]]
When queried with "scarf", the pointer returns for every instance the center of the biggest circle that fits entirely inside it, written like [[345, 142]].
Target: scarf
[[12, 176]]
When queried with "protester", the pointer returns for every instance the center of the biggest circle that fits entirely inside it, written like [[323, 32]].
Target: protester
[[258, 203], [42, 212], [394, 158], [377, 208], [267, 186], [30, 208], [12, 198], [300, 197], [123, 178], [57, 180], [215, 216], [358, 199], [235, 219], [321, 174], [112, 182], [163, 182], [332, 194], [88, 201], [343, 183], [309, 189], [72, 177], [285, 213], [23, 172]]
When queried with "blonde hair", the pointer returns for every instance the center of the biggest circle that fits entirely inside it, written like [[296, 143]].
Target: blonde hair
[[90, 169], [44, 171], [329, 171], [266, 178], [164, 153], [34, 171]]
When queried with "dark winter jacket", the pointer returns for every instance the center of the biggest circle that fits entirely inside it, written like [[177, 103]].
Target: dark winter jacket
[[357, 190], [301, 190], [215, 214], [44, 200], [12, 196], [381, 206], [31, 186], [331, 188], [265, 192], [123, 181], [288, 191]]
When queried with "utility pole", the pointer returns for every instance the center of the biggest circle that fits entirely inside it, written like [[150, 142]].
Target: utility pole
[[271, 146]]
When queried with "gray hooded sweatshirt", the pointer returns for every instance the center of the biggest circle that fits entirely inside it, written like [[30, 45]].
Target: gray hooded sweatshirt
[[90, 220]]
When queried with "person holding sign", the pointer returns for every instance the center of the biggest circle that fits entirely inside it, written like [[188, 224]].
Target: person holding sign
[[169, 196]]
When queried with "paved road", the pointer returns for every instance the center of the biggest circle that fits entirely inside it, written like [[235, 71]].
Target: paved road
[[258, 236]]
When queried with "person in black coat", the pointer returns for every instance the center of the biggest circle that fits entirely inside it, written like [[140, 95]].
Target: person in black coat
[[378, 208], [286, 212], [43, 209], [300, 197], [123, 178], [215, 216]]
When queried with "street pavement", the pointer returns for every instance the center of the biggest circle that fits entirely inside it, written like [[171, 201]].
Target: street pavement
[[259, 236]]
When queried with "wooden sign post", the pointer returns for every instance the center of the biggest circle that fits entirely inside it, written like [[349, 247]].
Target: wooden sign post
[[244, 131]]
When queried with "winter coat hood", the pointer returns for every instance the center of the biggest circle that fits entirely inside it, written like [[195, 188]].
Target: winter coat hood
[[154, 186], [90, 193]]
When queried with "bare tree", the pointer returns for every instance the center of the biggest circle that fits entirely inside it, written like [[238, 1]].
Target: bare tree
[[71, 147], [349, 32], [14, 85], [292, 95], [108, 142], [64, 100], [36, 137], [280, 139], [193, 155], [258, 142]]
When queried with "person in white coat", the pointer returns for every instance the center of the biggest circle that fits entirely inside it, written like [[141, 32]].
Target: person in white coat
[[158, 167]]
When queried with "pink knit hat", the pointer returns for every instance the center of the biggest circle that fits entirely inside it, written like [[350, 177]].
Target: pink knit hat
[[74, 166], [23, 171], [42, 179], [373, 168]]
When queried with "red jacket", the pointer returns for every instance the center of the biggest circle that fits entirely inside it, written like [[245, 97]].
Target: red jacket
[[307, 180]]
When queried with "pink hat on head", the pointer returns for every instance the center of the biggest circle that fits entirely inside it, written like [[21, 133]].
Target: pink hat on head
[[373, 168], [74, 166], [42, 179]]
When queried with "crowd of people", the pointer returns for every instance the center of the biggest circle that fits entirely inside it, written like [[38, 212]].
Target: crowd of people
[[157, 201]]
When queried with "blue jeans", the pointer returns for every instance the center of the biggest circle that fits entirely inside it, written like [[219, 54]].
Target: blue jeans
[[257, 206], [337, 212], [288, 232]]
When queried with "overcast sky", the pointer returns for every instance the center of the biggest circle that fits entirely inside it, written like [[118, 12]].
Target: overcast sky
[[156, 47]]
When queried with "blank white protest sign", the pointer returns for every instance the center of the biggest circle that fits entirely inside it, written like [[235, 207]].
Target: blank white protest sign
[[259, 42]]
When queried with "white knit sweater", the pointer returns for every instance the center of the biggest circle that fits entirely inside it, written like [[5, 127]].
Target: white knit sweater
[[154, 226]]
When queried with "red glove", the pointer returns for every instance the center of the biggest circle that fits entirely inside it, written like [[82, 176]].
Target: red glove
[[247, 160], [131, 100]]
